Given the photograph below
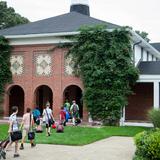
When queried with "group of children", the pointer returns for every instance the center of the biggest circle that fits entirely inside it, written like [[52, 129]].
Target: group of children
[[31, 118], [70, 112], [14, 130]]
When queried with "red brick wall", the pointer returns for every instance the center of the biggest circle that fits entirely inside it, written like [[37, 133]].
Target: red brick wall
[[57, 82], [140, 102]]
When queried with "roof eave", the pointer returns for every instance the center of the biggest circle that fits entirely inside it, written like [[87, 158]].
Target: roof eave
[[135, 38], [144, 44], [41, 35]]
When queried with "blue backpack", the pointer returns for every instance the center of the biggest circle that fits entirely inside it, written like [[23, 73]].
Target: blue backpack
[[36, 113]]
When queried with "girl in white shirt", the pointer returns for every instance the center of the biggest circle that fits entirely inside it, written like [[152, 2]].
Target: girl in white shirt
[[48, 116]]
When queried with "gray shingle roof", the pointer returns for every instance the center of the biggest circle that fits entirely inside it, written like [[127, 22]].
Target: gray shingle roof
[[69, 22], [151, 67], [156, 46]]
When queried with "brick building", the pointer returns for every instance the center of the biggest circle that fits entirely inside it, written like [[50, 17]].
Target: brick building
[[42, 72]]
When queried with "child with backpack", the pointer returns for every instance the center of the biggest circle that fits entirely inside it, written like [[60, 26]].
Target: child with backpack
[[62, 116], [36, 116], [74, 111]]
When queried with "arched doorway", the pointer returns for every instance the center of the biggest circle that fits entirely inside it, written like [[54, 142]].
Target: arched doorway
[[43, 94], [16, 98], [74, 92]]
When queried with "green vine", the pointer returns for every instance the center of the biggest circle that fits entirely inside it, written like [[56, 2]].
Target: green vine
[[5, 73], [103, 61]]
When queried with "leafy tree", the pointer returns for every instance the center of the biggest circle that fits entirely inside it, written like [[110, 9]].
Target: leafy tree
[[103, 60], [144, 35], [5, 73], [8, 17]]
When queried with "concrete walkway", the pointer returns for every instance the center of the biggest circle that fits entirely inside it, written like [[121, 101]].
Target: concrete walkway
[[114, 148]]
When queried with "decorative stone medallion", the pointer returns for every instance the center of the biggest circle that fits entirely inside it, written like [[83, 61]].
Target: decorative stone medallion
[[43, 64], [17, 64], [69, 65]]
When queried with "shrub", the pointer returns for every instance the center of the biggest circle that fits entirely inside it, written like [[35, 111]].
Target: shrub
[[154, 116], [148, 145], [138, 158]]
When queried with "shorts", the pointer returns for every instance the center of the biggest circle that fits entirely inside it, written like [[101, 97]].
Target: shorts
[[10, 139], [75, 115], [48, 124], [25, 132]]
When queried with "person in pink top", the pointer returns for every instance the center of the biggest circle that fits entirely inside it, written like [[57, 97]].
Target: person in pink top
[[27, 123]]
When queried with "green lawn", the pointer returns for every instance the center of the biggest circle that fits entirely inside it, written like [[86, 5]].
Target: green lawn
[[80, 135]]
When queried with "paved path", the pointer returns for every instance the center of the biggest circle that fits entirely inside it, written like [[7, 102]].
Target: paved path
[[114, 148]]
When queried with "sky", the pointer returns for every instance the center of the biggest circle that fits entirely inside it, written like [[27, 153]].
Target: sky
[[143, 15]]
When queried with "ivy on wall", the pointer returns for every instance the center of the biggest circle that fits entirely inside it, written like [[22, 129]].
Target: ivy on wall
[[103, 61], [5, 73]]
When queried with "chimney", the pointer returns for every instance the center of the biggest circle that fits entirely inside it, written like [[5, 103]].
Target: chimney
[[80, 6]]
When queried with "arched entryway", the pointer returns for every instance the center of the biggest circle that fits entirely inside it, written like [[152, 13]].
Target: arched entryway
[[16, 98], [74, 92], [43, 94]]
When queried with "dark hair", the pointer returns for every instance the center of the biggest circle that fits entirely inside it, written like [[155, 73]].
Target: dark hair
[[14, 108], [28, 110]]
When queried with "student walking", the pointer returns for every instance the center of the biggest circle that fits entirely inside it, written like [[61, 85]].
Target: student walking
[[48, 116], [26, 125], [62, 116], [13, 127], [67, 105], [36, 116], [74, 111]]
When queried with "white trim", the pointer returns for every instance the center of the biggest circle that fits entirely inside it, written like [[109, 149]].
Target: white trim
[[85, 2], [144, 44], [41, 35], [138, 124], [122, 119], [135, 38], [38, 40], [148, 78], [156, 95]]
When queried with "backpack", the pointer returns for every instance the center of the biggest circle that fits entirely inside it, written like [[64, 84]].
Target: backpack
[[39, 129], [36, 113], [59, 128], [78, 121]]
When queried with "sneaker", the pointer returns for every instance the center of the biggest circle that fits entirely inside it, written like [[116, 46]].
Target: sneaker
[[49, 134], [21, 147], [33, 145], [3, 154], [16, 155]]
